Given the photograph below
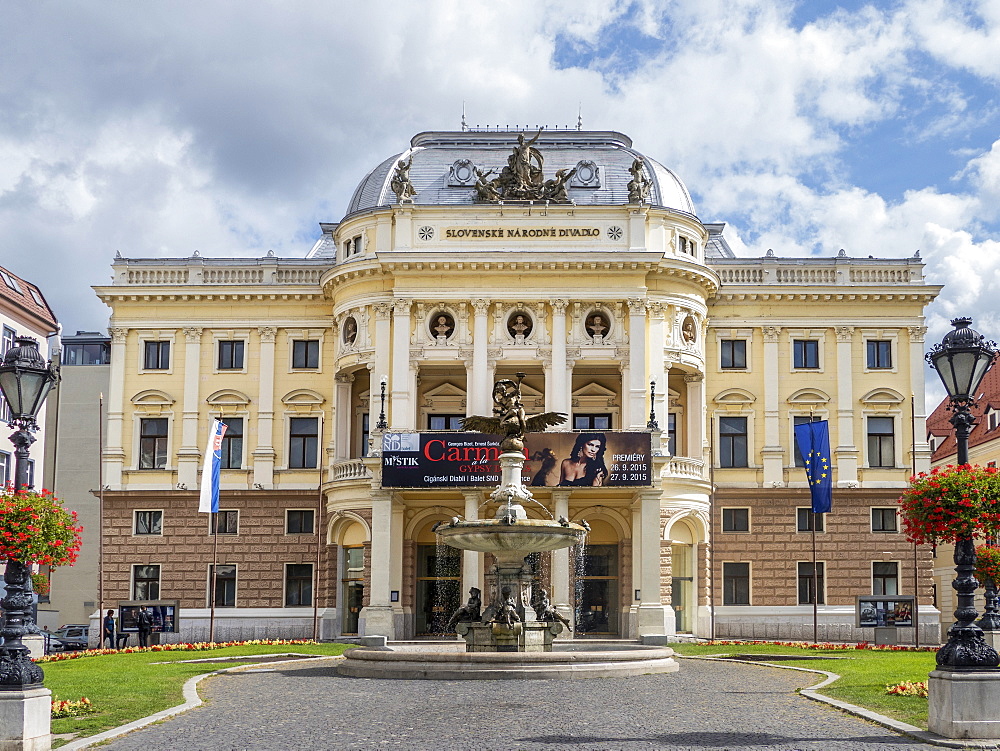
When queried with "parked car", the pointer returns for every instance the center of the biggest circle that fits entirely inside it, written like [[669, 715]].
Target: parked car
[[70, 637]]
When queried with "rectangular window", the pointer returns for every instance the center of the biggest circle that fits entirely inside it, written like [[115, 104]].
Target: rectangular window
[[804, 519], [734, 354], [146, 582], [8, 339], [11, 282], [735, 583], [884, 520], [881, 442], [885, 578], [735, 520], [225, 585], [231, 355], [366, 434], [298, 585], [97, 353], [225, 523], [305, 354], [153, 443], [733, 441], [303, 441], [796, 421], [672, 434], [156, 356], [299, 521], [805, 353], [6, 468], [808, 586], [879, 355], [232, 443], [444, 422], [148, 522], [592, 422]]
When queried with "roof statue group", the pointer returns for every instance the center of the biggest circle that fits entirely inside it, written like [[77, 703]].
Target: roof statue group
[[521, 180]]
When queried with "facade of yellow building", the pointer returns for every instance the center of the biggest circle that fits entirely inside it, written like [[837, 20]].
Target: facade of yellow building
[[581, 264]]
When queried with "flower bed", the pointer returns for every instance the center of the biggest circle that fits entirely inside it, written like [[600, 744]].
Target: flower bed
[[825, 646], [62, 708], [202, 646], [907, 688]]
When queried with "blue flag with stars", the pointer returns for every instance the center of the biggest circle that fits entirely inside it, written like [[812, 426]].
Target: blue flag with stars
[[813, 440]]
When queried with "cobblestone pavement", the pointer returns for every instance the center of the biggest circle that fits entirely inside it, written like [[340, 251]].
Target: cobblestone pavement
[[704, 706]]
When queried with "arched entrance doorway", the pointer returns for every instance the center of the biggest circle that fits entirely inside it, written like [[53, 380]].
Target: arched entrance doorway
[[352, 576], [682, 547], [598, 590], [438, 583]]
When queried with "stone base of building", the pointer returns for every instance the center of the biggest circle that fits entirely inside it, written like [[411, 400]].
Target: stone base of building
[[835, 624], [25, 720], [964, 704]]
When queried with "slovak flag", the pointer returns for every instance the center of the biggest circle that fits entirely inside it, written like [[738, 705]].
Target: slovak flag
[[209, 501]]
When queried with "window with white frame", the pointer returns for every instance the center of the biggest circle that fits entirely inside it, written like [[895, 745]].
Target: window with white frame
[[148, 522], [805, 519], [735, 583], [225, 585], [884, 519], [303, 442], [6, 468], [881, 442], [992, 418], [810, 582], [805, 354], [736, 520], [153, 442], [885, 578], [146, 581], [354, 246], [231, 354], [733, 354], [305, 354], [298, 584], [879, 354], [156, 355]]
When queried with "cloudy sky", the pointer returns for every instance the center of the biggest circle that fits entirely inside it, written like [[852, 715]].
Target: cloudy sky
[[160, 128]]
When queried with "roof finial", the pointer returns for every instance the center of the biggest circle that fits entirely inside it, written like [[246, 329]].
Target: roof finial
[[579, 117], [465, 125]]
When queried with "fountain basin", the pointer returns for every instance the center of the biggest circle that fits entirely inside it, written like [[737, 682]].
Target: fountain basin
[[524, 537], [416, 664]]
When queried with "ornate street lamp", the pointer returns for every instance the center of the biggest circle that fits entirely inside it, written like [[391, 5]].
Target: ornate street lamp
[[962, 359], [25, 381]]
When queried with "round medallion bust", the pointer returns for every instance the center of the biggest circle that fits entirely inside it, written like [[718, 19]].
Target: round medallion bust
[[441, 325]]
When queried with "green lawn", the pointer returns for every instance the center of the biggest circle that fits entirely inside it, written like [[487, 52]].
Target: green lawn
[[128, 687], [864, 674]]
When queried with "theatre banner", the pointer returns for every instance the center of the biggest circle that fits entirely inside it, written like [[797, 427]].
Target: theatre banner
[[596, 459]]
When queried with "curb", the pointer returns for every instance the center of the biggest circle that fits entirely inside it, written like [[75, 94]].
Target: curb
[[912, 731], [191, 700]]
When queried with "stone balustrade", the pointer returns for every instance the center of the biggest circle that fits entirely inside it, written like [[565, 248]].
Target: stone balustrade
[[818, 271], [146, 272], [352, 469]]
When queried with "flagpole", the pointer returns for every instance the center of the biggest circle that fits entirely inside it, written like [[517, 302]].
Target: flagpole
[[916, 579], [815, 597], [215, 574], [100, 515]]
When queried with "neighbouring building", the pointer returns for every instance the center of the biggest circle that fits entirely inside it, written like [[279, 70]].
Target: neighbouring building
[[577, 261], [73, 469]]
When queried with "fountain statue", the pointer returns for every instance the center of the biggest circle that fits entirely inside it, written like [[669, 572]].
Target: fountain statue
[[509, 623]]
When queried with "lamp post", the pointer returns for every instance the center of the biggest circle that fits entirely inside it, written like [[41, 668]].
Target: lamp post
[[961, 360], [382, 424], [25, 381]]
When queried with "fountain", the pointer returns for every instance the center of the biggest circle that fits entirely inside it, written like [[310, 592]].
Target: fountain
[[509, 638]]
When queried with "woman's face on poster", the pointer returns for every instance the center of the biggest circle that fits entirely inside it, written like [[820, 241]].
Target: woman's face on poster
[[591, 448]]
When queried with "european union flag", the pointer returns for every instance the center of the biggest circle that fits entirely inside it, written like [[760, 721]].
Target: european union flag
[[813, 440]]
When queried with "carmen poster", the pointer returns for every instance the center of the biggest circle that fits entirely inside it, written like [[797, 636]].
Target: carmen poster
[[588, 459]]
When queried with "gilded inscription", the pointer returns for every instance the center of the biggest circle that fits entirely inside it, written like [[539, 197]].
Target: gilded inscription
[[518, 233]]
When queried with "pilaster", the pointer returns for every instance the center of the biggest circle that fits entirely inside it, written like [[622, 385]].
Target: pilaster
[[636, 417], [114, 451], [772, 453], [189, 454], [846, 452], [264, 454]]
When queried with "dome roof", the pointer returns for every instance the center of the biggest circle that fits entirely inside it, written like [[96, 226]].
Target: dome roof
[[441, 173]]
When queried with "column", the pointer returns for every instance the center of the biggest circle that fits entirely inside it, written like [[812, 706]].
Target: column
[[342, 416], [114, 451], [560, 594], [562, 392], [402, 401], [696, 417], [482, 385], [846, 452], [189, 457], [772, 452], [377, 617], [637, 387], [264, 454], [654, 618], [658, 367], [921, 449], [396, 567], [472, 561]]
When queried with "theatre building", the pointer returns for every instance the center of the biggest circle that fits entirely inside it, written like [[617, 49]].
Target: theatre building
[[578, 266]]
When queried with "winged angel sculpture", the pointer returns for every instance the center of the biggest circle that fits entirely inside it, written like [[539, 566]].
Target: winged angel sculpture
[[508, 417]]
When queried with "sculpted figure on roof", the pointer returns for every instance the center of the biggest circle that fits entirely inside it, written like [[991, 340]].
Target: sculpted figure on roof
[[522, 179], [400, 183]]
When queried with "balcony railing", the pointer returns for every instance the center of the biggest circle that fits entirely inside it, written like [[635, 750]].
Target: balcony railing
[[352, 469], [682, 466], [145, 272]]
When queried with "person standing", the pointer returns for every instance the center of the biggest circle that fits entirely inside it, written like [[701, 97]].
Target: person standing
[[145, 623], [109, 629]]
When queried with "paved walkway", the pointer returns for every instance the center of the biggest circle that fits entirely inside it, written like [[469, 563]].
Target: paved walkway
[[704, 706]]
